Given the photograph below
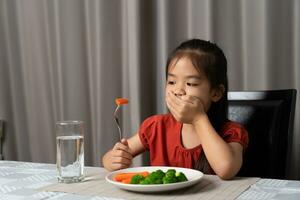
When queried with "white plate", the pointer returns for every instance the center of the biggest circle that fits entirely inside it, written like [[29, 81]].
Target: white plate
[[192, 175]]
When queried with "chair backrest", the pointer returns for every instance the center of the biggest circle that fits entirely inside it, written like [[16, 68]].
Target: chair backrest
[[1, 137], [269, 118]]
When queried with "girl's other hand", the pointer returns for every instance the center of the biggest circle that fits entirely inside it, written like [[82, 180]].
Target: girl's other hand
[[186, 108], [119, 157]]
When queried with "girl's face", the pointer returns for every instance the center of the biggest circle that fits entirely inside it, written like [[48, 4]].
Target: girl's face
[[184, 79]]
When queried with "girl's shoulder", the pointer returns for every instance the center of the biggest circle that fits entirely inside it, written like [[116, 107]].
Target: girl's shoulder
[[160, 118], [235, 132], [232, 124], [156, 127]]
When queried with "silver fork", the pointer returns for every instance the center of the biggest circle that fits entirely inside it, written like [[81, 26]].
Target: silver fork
[[117, 121]]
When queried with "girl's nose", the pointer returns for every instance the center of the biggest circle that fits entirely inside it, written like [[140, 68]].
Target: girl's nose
[[179, 92]]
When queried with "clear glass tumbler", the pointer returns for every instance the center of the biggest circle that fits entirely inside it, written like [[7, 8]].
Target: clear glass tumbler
[[70, 151]]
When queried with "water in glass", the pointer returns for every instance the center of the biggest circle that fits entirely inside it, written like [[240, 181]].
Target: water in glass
[[70, 158]]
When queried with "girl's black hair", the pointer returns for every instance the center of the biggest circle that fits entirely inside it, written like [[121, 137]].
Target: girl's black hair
[[206, 57]]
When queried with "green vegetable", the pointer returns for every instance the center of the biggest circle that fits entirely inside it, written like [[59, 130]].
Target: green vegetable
[[171, 173], [145, 182], [136, 179], [155, 177], [180, 177], [169, 179], [158, 174], [159, 177]]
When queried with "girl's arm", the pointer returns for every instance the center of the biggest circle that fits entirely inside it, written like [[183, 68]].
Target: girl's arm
[[224, 158], [121, 155], [136, 145]]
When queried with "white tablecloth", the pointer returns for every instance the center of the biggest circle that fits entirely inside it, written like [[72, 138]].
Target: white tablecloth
[[23, 180]]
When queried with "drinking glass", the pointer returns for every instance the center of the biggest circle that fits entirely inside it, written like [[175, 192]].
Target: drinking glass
[[70, 151]]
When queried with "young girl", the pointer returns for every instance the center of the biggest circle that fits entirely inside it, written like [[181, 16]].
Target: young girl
[[196, 133]]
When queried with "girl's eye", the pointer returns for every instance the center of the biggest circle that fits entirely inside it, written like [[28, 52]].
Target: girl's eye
[[171, 82], [192, 84]]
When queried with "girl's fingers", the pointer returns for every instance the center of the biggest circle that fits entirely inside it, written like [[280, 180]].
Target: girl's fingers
[[121, 160], [173, 98], [120, 156], [196, 101], [117, 166], [121, 146], [190, 99], [124, 141], [173, 110], [171, 101], [170, 104], [121, 153], [181, 101]]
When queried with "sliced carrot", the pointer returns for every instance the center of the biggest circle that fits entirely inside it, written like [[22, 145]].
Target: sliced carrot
[[127, 181], [121, 101], [123, 176]]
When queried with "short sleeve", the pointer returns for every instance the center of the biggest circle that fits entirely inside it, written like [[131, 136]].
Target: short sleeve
[[234, 132], [146, 131]]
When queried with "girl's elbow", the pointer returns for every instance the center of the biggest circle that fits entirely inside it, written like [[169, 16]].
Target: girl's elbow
[[228, 171], [226, 176]]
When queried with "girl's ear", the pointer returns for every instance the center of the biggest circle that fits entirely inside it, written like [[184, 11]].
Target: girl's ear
[[217, 93]]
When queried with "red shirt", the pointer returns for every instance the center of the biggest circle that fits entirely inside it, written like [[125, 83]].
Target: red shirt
[[161, 135]]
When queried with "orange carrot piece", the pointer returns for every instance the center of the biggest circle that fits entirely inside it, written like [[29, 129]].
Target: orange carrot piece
[[121, 101], [122, 176], [127, 181]]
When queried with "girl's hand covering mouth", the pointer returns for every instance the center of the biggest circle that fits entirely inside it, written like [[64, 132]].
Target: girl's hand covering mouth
[[184, 108]]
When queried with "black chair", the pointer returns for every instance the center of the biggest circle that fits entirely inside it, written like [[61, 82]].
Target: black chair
[[269, 118], [1, 137]]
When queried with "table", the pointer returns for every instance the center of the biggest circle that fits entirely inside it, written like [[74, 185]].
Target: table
[[25, 180]]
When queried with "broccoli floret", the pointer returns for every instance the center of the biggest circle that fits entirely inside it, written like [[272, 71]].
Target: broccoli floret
[[145, 182], [180, 177], [159, 177], [136, 179], [169, 179], [158, 174], [170, 173], [155, 177], [158, 181]]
